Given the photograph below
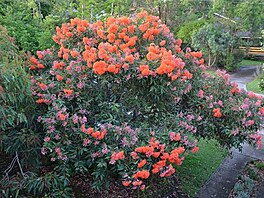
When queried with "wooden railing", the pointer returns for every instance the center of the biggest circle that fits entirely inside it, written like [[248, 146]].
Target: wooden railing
[[253, 50]]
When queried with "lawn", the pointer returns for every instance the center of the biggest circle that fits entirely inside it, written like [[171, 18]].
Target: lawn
[[198, 167], [247, 62], [253, 86]]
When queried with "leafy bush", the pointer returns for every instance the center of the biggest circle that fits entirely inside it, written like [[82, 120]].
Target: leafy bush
[[107, 138], [219, 44], [187, 29], [19, 131]]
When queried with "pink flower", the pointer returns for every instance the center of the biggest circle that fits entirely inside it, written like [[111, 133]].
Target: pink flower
[[43, 150], [199, 118], [249, 123], [58, 150], [235, 132], [142, 187], [57, 136], [46, 139], [249, 113], [200, 94], [134, 155], [190, 117], [252, 94], [86, 141], [39, 119], [258, 103], [75, 119]]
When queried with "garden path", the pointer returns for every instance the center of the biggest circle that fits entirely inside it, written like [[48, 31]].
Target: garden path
[[222, 182]]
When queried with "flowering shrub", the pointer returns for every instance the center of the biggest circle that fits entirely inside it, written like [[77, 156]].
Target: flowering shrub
[[120, 97]]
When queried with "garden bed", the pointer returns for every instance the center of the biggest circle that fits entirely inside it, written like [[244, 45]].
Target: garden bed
[[249, 181]]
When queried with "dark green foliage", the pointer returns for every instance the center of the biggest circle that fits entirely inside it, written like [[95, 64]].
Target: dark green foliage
[[219, 44], [19, 131], [188, 28]]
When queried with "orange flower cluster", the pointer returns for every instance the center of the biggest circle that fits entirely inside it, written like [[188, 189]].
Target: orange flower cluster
[[163, 160], [144, 174], [40, 101], [217, 113], [114, 45], [35, 64], [197, 54], [99, 135], [68, 92]]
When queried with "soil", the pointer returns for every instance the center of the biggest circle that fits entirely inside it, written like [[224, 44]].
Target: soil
[[170, 189]]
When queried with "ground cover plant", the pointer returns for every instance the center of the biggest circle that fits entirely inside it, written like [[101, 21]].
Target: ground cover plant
[[120, 100], [249, 181]]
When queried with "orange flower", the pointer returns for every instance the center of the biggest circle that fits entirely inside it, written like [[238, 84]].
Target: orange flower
[[186, 75], [112, 29], [217, 113], [66, 56], [165, 156], [177, 48], [39, 54], [61, 116], [74, 53], [100, 33], [151, 56], [99, 67], [162, 43], [32, 67], [137, 183], [156, 154], [130, 59], [43, 86], [144, 149], [96, 134], [111, 37], [33, 60], [90, 130], [68, 91], [40, 66], [155, 170], [39, 101], [144, 174], [131, 29], [196, 54], [117, 156], [144, 70], [126, 183], [201, 62], [124, 21], [160, 164], [59, 77], [142, 163], [143, 27], [111, 68]]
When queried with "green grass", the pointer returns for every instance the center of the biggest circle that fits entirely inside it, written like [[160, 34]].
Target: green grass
[[247, 62], [197, 168], [253, 86]]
